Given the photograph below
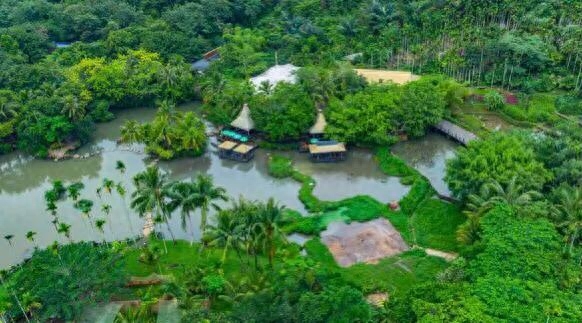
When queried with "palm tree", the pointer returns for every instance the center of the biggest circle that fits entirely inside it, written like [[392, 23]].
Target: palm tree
[[266, 87], [9, 238], [207, 193], [120, 166], [120, 189], [150, 195], [73, 108], [99, 224], [131, 132], [190, 130], [227, 232], [74, 190], [183, 196], [570, 213], [65, 229], [269, 217], [470, 231], [108, 185], [493, 193], [106, 209], [8, 109], [30, 237]]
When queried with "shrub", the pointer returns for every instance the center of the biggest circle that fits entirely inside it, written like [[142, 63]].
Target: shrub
[[280, 167], [494, 101]]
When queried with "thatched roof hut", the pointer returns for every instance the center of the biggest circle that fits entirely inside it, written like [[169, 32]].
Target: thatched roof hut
[[320, 124], [244, 120]]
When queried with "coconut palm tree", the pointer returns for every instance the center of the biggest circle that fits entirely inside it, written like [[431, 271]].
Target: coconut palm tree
[[150, 195], [493, 193], [106, 209], [207, 193], [191, 133], [269, 216], [184, 197], [73, 108], [131, 132], [30, 237], [569, 211], [8, 109], [227, 232]]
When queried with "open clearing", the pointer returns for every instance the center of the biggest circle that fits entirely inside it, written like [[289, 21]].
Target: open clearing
[[380, 76], [362, 242]]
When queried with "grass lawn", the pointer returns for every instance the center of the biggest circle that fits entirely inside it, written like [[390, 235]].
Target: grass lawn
[[435, 224], [394, 275]]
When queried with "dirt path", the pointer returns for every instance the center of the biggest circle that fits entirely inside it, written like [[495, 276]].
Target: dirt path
[[448, 256]]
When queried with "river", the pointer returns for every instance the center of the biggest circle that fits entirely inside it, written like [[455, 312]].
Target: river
[[23, 181]]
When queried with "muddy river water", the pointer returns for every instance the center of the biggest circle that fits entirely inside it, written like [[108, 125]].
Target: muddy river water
[[23, 181]]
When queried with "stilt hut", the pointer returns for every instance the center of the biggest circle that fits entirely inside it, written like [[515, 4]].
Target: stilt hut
[[225, 149], [327, 151], [243, 153], [244, 121]]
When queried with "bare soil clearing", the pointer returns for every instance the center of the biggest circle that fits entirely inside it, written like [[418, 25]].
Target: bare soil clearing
[[379, 76], [366, 242]]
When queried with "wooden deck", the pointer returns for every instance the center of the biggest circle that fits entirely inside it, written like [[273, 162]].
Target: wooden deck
[[455, 132]]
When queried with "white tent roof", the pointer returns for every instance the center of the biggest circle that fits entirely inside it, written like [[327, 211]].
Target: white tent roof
[[276, 74], [320, 124], [244, 121]]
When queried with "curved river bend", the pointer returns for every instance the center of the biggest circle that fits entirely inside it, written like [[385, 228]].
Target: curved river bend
[[23, 181]]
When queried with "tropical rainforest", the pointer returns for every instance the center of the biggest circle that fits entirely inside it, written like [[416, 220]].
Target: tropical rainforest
[[513, 220]]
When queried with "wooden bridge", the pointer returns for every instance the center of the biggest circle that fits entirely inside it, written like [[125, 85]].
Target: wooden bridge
[[455, 132]]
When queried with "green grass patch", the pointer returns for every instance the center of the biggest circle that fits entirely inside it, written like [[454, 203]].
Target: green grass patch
[[391, 165], [420, 191], [359, 208], [395, 275], [435, 224], [280, 167]]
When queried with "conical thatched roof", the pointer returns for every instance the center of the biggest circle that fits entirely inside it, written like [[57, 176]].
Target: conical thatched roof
[[244, 121], [320, 124]]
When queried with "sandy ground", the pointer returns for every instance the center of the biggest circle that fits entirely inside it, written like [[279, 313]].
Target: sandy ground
[[376, 76], [377, 299], [362, 242], [448, 256]]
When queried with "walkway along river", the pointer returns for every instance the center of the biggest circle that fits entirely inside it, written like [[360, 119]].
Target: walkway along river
[[23, 181]]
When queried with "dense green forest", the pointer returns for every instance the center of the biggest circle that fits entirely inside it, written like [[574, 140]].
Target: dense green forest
[[516, 222]]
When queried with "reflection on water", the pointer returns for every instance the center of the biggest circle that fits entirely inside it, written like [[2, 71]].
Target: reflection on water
[[428, 155], [24, 180]]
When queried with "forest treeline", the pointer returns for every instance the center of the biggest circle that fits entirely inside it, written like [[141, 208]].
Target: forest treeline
[[133, 53]]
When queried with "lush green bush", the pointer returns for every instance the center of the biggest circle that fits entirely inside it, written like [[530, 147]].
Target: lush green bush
[[569, 104], [497, 157], [435, 224], [285, 114], [170, 134], [63, 282], [494, 100], [280, 167]]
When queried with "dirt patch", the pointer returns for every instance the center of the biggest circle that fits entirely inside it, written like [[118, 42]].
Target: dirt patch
[[362, 242], [379, 76], [377, 299], [448, 256]]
